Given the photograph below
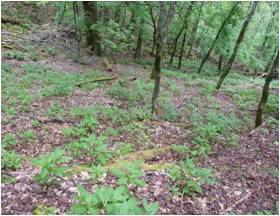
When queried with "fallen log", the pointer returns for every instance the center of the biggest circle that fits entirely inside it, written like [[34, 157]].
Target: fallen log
[[97, 80]]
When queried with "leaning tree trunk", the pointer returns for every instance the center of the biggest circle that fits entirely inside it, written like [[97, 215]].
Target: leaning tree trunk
[[92, 17], [217, 37], [237, 44], [194, 29], [163, 24], [175, 45], [220, 63], [265, 91]]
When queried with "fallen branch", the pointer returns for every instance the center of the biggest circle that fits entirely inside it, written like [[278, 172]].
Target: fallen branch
[[59, 121], [26, 38], [15, 47], [97, 80]]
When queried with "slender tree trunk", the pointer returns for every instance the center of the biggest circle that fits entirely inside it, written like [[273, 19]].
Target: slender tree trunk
[[154, 32], [164, 21], [185, 35], [184, 26], [265, 91], [268, 29], [217, 37], [269, 64], [237, 44], [175, 45], [92, 17], [220, 63], [182, 49], [139, 40], [194, 29]]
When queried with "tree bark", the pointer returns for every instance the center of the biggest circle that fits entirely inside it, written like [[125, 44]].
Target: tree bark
[[217, 37], [184, 26], [185, 35], [237, 44], [92, 17], [139, 40], [265, 91], [154, 32], [220, 63], [175, 45], [164, 21], [194, 29]]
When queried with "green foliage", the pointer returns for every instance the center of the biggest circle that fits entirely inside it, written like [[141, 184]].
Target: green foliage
[[190, 178], [51, 51], [129, 173], [51, 166], [36, 123], [92, 147], [14, 55], [10, 160], [172, 86], [58, 89], [182, 150], [96, 172], [27, 135], [125, 148], [8, 140], [45, 210], [151, 209], [55, 111], [110, 201], [86, 126], [168, 108]]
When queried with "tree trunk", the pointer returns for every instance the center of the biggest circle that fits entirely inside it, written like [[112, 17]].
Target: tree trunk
[[220, 63], [217, 37], [185, 35], [237, 44], [265, 91], [154, 32], [164, 21], [139, 40], [184, 26], [92, 17], [182, 49], [194, 29], [175, 45]]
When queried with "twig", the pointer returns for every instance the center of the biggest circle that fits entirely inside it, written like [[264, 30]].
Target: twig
[[229, 209]]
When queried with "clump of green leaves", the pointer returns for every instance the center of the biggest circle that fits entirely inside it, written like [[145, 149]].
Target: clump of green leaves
[[14, 55], [45, 210], [10, 160], [189, 178], [168, 108], [181, 150], [55, 111], [110, 201], [27, 135], [86, 126], [51, 166], [129, 173], [96, 172], [8, 140], [125, 148], [92, 147]]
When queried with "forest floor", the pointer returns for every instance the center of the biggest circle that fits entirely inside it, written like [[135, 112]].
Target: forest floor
[[40, 102]]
